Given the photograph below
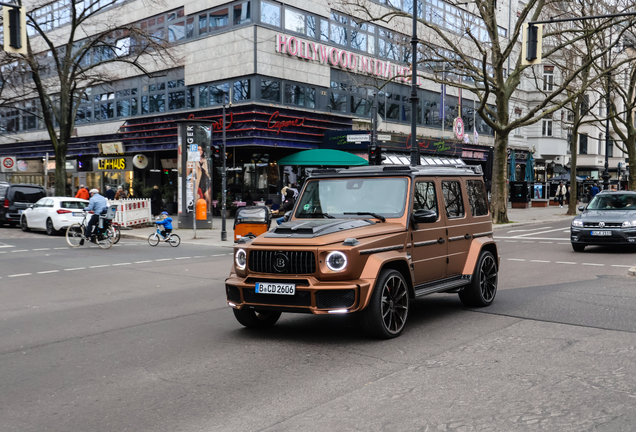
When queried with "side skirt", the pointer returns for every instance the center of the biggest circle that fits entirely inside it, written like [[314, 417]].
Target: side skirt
[[452, 284]]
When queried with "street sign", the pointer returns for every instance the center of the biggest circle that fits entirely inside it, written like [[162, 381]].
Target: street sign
[[384, 137], [359, 138]]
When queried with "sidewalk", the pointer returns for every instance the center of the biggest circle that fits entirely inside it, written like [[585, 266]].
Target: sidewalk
[[517, 217]]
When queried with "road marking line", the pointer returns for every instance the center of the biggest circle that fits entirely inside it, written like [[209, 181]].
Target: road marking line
[[531, 238], [183, 258], [50, 271], [533, 229], [41, 249], [217, 255], [77, 268], [231, 253], [60, 248], [199, 256], [527, 242], [546, 242], [18, 275], [540, 232], [100, 266], [566, 231], [142, 262], [2, 252], [515, 259], [164, 259], [593, 264], [564, 262], [564, 243], [540, 261], [121, 264], [625, 266], [511, 241], [21, 250]]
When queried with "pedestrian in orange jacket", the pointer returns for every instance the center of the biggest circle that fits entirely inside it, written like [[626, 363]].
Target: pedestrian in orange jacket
[[83, 193]]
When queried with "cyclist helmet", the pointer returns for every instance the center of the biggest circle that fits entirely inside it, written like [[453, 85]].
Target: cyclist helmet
[[164, 213]]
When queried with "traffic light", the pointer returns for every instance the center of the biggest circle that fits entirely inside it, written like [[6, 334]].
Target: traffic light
[[216, 151], [15, 31], [532, 44], [375, 155]]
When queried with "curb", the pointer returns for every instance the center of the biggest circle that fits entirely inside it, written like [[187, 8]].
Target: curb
[[632, 271], [198, 241]]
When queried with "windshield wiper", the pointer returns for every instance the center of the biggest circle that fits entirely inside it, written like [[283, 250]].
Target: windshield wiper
[[328, 216], [375, 215]]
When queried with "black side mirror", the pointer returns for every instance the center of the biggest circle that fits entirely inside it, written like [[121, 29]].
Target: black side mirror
[[424, 216], [582, 208], [287, 216]]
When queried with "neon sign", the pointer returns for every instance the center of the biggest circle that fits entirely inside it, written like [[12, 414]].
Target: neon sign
[[279, 124]]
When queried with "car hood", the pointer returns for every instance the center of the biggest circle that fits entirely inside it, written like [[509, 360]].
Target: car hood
[[318, 232], [607, 215]]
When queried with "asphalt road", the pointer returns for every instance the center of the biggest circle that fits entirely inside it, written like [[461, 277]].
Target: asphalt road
[[140, 339]]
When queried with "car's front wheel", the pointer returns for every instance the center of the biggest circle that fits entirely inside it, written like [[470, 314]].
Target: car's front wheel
[[578, 247], [50, 229], [256, 319], [24, 224], [483, 286], [385, 315]]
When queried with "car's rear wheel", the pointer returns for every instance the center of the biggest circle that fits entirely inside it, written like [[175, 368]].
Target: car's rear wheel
[[50, 229], [483, 286], [385, 315], [578, 247], [24, 224], [256, 319]]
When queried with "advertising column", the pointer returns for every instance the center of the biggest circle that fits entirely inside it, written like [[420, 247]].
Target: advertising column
[[194, 181]]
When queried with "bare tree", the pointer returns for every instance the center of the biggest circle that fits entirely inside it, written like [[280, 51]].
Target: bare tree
[[479, 53], [94, 47]]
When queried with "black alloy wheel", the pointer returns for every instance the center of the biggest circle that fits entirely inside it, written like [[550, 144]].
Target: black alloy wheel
[[50, 229], [24, 224], [385, 315], [483, 286], [256, 319]]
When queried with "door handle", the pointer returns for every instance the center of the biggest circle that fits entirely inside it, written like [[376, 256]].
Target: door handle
[[467, 236], [440, 240]]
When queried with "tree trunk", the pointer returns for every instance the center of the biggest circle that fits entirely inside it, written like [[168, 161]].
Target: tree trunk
[[499, 202], [60, 170], [631, 156], [574, 184]]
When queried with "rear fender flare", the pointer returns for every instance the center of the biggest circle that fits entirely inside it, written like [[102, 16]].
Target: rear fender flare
[[476, 247]]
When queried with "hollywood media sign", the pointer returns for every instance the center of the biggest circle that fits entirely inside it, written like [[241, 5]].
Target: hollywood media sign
[[343, 59]]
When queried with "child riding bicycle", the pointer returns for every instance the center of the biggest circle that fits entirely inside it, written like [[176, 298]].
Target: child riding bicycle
[[167, 225]]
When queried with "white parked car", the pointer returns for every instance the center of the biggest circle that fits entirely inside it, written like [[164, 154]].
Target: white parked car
[[53, 214]]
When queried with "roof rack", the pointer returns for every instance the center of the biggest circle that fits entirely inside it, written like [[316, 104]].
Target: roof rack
[[323, 171], [474, 168], [397, 168]]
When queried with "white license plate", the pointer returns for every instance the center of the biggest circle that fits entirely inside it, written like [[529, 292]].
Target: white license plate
[[274, 288], [78, 214], [601, 233]]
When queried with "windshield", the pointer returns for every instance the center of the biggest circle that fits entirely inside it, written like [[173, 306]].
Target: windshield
[[335, 197], [613, 202], [26, 194]]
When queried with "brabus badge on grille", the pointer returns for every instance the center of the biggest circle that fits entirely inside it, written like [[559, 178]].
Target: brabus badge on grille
[[280, 262], [601, 224]]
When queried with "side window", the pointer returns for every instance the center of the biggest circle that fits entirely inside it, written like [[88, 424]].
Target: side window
[[477, 197], [425, 198], [453, 199], [40, 203]]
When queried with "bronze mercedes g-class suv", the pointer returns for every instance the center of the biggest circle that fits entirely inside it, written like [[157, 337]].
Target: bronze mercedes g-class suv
[[369, 240]]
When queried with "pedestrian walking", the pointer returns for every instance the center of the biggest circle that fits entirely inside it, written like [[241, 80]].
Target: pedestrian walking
[[82, 193], [110, 193], [156, 201], [121, 193], [560, 193], [593, 191]]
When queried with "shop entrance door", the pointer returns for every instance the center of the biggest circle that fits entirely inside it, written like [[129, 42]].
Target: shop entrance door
[[115, 179]]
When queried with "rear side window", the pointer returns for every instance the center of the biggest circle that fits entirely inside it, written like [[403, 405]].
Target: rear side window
[[3, 191], [425, 198], [73, 205], [477, 197], [25, 194], [453, 199]]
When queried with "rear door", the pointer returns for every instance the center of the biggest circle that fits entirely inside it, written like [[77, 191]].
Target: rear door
[[458, 224], [428, 241]]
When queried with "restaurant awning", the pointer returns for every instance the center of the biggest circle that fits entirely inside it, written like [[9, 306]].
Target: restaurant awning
[[323, 157]]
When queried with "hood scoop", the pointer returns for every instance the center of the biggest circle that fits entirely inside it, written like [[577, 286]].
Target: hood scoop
[[316, 227]]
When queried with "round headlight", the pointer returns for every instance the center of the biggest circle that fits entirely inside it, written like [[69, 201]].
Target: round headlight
[[336, 261], [240, 259]]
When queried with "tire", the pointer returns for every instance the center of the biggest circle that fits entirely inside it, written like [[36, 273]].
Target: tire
[[74, 234], [104, 241], [50, 229], [116, 235], [174, 240], [24, 224], [578, 247], [385, 315], [483, 287], [255, 319], [153, 239]]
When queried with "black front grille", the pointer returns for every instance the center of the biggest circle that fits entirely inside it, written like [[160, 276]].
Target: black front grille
[[233, 293], [301, 298], [297, 282], [607, 225], [326, 299], [261, 261]]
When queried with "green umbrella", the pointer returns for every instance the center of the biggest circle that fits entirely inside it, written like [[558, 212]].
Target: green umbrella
[[323, 157], [513, 165], [530, 168]]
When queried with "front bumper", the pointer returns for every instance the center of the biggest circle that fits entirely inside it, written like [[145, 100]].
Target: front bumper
[[619, 236], [312, 296]]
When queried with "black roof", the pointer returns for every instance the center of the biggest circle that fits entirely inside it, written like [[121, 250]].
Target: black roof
[[399, 170]]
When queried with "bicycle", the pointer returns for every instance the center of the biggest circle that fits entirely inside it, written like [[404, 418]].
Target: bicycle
[[172, 239], [104, 236], [116, 232]]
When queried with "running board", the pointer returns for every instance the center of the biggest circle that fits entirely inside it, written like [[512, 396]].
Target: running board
[[445, 285]]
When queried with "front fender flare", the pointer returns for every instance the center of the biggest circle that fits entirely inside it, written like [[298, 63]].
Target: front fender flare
[[374, 265]]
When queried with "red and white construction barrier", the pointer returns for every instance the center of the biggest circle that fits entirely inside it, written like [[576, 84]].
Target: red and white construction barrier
[[133, 211]]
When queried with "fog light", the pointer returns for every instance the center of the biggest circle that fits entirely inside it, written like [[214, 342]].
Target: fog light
[[339, 311]]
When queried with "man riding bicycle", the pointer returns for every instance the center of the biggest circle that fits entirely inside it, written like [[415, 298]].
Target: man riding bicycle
[[98, 205]]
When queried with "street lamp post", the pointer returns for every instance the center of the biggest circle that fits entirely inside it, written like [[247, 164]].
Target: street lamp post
[[223, 183], [415, 151]]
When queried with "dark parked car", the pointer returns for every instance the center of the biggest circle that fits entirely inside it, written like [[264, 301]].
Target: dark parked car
[[15, 198], [610, 218]]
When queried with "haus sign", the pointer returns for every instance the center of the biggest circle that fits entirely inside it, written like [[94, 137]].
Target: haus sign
[[346, 60]]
